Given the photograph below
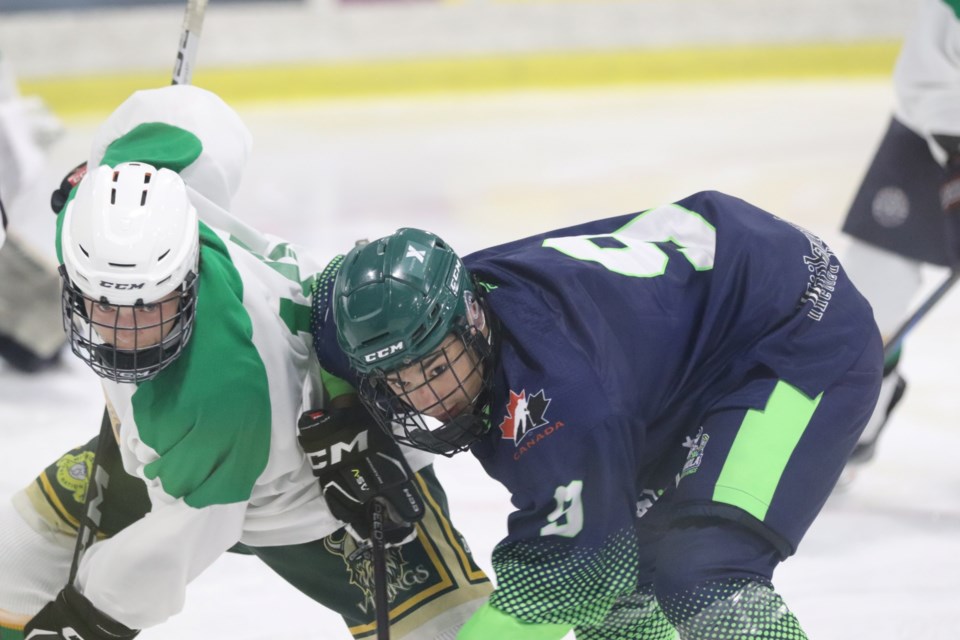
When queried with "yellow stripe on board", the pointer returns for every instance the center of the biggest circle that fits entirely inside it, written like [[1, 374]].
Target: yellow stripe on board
[[77, 95]]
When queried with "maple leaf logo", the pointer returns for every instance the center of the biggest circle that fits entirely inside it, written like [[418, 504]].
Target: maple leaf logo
[[524, 415]]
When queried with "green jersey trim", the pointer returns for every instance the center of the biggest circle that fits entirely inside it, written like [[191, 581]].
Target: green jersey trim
[[548, 581], [334, 386], [295, 315], [955, 5], [156, 143], [762, 448], [489, 622], [208, 415]]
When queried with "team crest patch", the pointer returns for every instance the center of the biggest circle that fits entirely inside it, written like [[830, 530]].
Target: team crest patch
[[695, 456], [524, 415], [73, 471], [402, 579]]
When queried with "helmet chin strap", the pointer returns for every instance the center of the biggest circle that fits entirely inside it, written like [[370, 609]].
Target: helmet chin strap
[[146, 358], [122, 360], [453, 437]]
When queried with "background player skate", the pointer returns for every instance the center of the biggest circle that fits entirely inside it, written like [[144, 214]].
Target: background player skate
[[197, 324], [669, 396], [907, 209]]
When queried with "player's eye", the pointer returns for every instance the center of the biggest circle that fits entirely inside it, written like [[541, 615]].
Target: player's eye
[[148, 308], [436, 371], [106, 308], [397, 385]]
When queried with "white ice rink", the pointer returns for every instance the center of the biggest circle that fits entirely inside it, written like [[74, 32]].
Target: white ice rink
[[883, 560]]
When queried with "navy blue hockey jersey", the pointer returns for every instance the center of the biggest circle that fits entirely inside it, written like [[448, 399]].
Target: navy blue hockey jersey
[[618, 336]]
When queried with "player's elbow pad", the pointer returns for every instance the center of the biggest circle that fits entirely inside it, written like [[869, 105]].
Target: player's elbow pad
[[489, 622]]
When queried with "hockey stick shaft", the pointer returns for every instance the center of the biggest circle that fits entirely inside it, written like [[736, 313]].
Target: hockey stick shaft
[[3, 222], [97, 481], [189, 41], [380, 599], [894, 342]]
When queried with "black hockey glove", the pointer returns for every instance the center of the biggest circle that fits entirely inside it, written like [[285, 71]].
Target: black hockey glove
[[72, 617], [950, 194], [59, 197], [356, 462]]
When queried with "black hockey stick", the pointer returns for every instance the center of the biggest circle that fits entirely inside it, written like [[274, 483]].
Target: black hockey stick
[[894, 342], [97, 482], [378, 545], [3, 220]]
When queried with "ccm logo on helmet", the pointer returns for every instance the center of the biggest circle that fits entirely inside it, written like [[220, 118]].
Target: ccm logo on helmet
[[121, 286], [383, 353], [454, 283]]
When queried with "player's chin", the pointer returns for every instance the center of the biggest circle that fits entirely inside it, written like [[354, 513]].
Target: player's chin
[[445, 415]]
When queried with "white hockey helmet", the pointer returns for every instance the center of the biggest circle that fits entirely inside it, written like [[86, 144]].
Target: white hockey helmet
[[129, 239]]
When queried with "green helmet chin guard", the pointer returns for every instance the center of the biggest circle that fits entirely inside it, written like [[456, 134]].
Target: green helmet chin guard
[[396, 298]]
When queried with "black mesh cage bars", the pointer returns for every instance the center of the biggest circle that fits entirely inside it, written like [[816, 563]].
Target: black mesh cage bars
[[134, 362]]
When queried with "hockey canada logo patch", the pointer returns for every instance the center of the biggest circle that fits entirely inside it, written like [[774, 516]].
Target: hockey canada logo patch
[[526, 416]]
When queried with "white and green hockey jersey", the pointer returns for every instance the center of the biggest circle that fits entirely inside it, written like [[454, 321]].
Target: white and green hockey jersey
[[214, 434]]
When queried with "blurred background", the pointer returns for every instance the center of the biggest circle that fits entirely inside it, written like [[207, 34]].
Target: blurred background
[[488, 120]]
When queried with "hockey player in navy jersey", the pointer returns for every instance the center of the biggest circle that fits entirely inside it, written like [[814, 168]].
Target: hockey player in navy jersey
[[669, 396]]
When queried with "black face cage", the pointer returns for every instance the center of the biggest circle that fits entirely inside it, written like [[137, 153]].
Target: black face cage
[[136, 364], [395, 413]]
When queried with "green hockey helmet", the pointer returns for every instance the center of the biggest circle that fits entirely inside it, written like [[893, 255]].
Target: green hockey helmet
[[409, 320], [396, 299]]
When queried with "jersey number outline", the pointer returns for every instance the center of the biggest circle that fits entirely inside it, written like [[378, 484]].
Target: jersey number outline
[[294, 314], [638, 255], [567, 518]]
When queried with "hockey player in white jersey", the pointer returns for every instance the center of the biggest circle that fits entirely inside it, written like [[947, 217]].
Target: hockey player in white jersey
[[907, 209], [199, 327]]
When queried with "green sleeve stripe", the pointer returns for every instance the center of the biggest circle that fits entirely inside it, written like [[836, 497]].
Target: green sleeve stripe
[[162, 145], [955, 5], [208, 415], [296, 316], [335, 386], [762, 448], [489, 622], [58, 235]]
